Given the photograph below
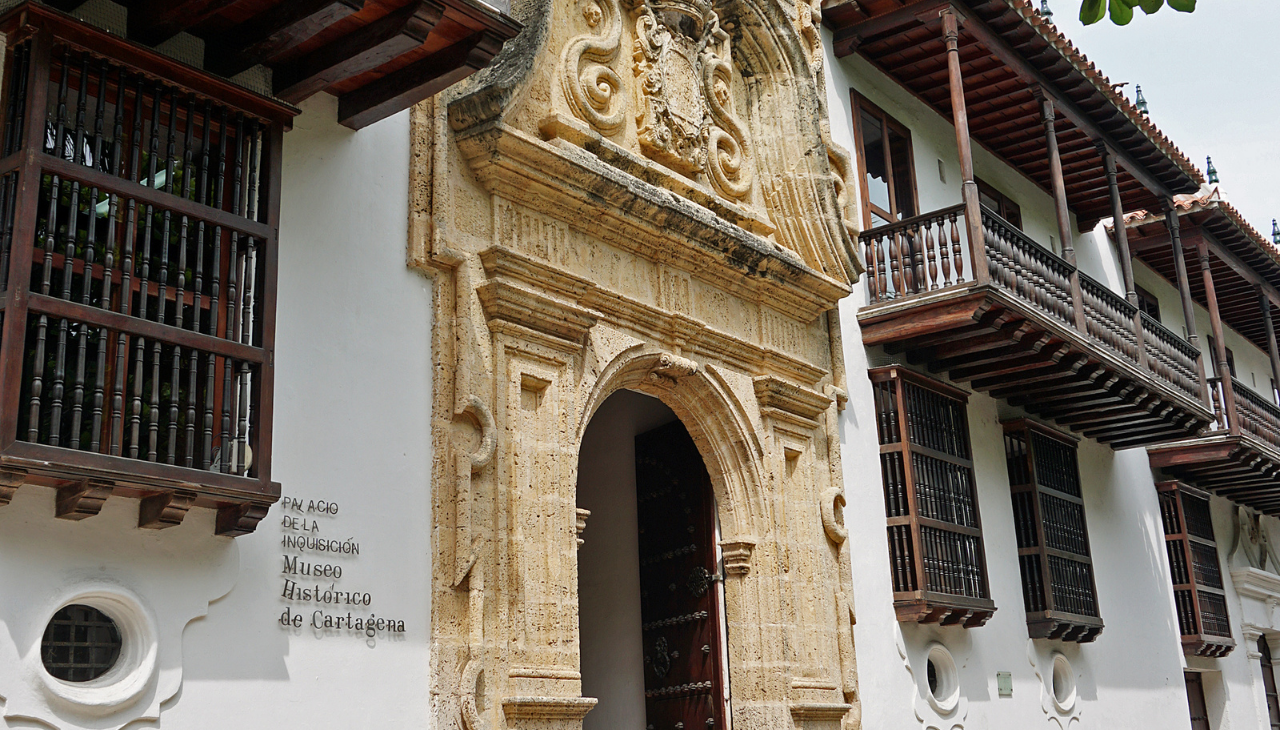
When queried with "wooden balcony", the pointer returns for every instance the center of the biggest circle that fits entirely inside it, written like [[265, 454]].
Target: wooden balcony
[[1238, 456], [1027, 327], [139, 205]]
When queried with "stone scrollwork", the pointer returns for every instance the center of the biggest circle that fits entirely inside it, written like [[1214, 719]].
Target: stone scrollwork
[[832, 524], [685, 116], [590, 86]]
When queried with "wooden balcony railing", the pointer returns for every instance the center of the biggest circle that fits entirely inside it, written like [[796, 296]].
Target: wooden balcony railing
[[929, 256], [138, 207]]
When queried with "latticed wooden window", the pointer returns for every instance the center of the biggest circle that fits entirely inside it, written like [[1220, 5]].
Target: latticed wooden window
[[936, 555], [1058, 588], [138, 216], [1198, 592]]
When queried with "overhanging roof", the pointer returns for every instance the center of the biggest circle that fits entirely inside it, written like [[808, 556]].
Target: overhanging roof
[[1006, 49]]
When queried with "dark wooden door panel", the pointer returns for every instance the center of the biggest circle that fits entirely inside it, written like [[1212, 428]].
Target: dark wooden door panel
[[679, 604]]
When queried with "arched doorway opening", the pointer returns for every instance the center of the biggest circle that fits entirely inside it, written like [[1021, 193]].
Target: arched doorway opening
[[651, 622]]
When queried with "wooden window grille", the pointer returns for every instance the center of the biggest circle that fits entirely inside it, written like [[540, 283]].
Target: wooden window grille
[[1199, 596], [139, 201], [936, 553], [1058, 588]]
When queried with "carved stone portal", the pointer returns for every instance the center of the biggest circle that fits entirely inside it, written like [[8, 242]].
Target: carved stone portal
[[670, 223]]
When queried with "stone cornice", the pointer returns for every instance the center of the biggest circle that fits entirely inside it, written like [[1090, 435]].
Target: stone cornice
[[1260, 584], [590, 300], [566, 181]]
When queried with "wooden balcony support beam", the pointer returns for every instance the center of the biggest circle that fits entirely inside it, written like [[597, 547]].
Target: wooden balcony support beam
[[969, 192], [1184, 290], [1264, 303], [1117, 214], [153, 22], [268, 35], [419, 80], [360, 51], [1220, 347], [1063, 215]]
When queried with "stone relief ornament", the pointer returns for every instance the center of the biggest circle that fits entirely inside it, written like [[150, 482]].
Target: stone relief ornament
[[591, 87], [1252, 541], [684, 114]]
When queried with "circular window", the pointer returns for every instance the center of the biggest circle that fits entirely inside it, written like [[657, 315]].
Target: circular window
[[942, 679], [1064, 683], [80, 644], [98, 649]]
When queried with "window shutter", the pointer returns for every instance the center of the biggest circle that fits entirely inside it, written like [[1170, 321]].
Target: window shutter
[[1053, 541], [1195, 570], [936, 554]]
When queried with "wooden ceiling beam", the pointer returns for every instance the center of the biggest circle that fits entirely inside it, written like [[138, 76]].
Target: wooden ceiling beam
[[153, 22], [848, 39], [269, 34], [1069, 108], [417, 81], [357, 52]]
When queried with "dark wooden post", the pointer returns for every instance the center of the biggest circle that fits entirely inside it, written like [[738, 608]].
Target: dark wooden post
[[1264, 301], [1184, 292], [24, 233], [969, 191], [1117, 213], [1048, 116], [1122, 241], [1219, 344]]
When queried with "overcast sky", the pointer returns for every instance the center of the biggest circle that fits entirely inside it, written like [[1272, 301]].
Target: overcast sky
[[1212, 82]]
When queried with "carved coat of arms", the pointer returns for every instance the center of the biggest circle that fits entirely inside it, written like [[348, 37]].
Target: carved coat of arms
[[684, 109]]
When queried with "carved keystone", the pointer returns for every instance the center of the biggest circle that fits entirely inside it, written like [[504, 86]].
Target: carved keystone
[[10, 480], [82, 499], [737, 556], [164, 510], [671, 368]]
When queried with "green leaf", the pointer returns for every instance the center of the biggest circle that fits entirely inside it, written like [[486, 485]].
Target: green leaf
[[1091, 11], [1183, 6], [1121, 13], [1150, 6]]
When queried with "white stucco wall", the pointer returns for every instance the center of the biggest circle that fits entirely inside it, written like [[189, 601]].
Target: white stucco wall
[[351, 427], [1131, 676]]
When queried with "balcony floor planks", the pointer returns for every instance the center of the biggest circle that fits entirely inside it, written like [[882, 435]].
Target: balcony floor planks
[[983, 337]]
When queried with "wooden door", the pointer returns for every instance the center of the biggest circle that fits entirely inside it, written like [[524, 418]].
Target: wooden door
[[679, 596], [1195, 697]]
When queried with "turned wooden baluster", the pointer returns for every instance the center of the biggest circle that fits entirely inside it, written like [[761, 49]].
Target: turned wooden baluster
[[944, 250], [915, 239], [869, 253], [926, 235], [956, 254], [895, 263]]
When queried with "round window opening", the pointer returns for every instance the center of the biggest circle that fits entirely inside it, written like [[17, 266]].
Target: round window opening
[[1064, 683], [80, 644], [942, 679]]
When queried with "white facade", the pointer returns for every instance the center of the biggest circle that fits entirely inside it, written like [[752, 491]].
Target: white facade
[[354, 379], [352, 429], [1131, 675]]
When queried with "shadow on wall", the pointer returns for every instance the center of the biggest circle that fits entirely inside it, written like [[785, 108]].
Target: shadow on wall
[[609, 560]]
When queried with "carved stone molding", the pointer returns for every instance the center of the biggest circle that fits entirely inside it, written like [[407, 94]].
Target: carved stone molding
[[553, 710], [820, 711], [789, 401], [737, 556]]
